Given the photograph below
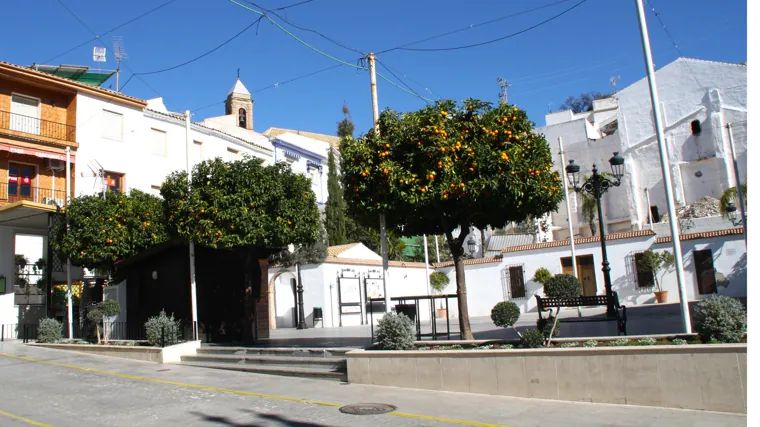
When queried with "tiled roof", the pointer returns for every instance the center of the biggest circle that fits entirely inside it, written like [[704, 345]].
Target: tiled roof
[[334, 141], [703, 235], [468, 262], [354, 261], [73, 83], [334, 251], [580, 241]]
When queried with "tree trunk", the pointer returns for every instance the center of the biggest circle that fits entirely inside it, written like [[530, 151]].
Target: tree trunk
[[464, 316], [105, 332], [97, 332], [249, 301]]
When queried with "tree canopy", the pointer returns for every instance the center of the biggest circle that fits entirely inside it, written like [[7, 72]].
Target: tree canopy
[[314, 253], [449, 166], [242, 204], [581, 103], [102, 232]]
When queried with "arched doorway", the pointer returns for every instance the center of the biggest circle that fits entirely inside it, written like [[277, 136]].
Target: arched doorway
[[285, 300]]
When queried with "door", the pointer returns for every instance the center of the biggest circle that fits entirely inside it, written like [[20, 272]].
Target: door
[[21, 182], [25, 114], [586, 271], [285, 302], [516, 282], [703, 263]]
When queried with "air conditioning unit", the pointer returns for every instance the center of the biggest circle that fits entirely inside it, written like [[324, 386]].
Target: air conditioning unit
[[54, 164]]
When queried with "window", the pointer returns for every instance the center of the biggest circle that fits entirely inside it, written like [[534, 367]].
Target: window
[[242, 118], [696, 127], [158, 143], [196, 155], [113, 125], [21, 180], [25, 114], [516, 281], [232, 155], [114, 181], [155, 190], [703, 264], [644, 279], [655, 211]]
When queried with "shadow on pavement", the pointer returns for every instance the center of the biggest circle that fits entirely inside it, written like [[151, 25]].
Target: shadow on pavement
[[279, 419]]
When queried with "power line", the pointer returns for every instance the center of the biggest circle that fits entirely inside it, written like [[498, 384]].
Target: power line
[[670, 36], [473, 26], [402, 82], [111, 30], [493, 40], [427, 89]]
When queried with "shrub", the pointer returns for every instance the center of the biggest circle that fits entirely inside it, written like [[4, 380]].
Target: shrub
[[570, 344], [720, 318], [620, 342], [162, 326], [562, 286], [542, 275], [679, 341], [395, 332], [438, 281], [590, 343], [49, 331], [646, 341], [532, 338], [545, 326], [505, 314]]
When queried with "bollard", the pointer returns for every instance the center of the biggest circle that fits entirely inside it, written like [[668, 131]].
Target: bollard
[[163, 336]]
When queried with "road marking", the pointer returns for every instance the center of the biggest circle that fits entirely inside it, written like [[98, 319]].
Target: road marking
[[26, 420], [237, 392]]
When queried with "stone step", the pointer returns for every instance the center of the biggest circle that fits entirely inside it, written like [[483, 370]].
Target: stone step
[[331, 363], [278, 352], [272, 370]]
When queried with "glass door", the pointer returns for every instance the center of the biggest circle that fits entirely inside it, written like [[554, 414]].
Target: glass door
[[21, 182]]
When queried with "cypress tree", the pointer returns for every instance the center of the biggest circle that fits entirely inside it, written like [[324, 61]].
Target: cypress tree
[[335, 208]]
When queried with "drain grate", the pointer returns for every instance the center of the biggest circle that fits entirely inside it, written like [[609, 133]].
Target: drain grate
[[367, 409]]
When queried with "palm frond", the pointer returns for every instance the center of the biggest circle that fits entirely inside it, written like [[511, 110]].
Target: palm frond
[[731, 196]]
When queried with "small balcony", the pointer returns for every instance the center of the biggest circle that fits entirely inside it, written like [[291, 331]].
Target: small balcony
[[11, 192], [35, 129]]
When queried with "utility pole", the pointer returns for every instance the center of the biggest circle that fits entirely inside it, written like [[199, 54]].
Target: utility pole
[[567, 206], [375, 121], [427, 272], [193, 294], [665, 165], [69, 308], [504, 85], [738, 180]]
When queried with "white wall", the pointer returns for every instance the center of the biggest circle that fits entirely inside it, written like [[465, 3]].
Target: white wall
[[309, 151]]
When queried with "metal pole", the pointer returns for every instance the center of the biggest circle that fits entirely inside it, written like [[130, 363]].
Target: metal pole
[[649, 209], [602, 236], [376, 124], [427, 274], [437, 252], [69, 308], [665, 165], [193, 292], [567, 206], [738, 180], [299, 290]]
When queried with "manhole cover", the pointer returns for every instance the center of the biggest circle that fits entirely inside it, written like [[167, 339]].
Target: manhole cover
[[367, 409]]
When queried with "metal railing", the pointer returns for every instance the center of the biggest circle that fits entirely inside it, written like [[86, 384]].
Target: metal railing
[[413, 311], [34, 127], [116, 332], [11, 192]]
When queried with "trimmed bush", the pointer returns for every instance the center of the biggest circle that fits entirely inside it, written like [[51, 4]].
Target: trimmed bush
[[562, 286], [532, 338], [720, 318], [545, 326], [395, 332], [49, 331], [542, 275], [162, 329], [505, 314]]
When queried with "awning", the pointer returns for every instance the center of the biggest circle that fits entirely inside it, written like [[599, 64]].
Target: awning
[[36, 152], [25, 214]]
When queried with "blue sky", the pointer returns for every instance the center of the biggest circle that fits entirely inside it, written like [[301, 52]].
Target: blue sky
[[572, 54]]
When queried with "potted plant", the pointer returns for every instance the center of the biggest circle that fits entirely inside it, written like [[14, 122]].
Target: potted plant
[[657, 264], [439, 281]]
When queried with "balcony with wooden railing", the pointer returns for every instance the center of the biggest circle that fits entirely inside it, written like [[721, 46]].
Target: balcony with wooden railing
[[11, 192], [32, 128]]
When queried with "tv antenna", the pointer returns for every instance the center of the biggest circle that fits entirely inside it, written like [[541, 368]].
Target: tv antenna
[[120, 53], [97, 171], [613, 82], [504, 85]]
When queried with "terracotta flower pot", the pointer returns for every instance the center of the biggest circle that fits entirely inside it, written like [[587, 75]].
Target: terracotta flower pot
[[441, 313], [661, 296]]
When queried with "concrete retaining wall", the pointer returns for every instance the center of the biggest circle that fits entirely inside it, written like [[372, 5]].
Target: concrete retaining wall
[[697, 377], [170, 354]]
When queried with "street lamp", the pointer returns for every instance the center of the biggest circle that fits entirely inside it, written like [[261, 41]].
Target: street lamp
[[733, 215], [596, 186], [471, 245], [299, 289]]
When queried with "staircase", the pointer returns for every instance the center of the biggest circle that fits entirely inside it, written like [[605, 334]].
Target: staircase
[[325, 363]]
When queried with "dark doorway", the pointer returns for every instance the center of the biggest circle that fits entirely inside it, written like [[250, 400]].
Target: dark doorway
[[703, 263]]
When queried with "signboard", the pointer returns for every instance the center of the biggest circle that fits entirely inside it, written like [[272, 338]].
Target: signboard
[[350, 309], [349, 291], [35, 152], [374, 288]]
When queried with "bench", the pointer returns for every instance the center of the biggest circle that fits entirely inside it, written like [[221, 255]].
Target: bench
[[619, 315]]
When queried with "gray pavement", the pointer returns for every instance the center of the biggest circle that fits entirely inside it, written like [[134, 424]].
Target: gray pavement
[[58, 388]]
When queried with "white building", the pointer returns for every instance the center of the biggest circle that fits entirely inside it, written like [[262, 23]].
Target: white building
[[698, 99]]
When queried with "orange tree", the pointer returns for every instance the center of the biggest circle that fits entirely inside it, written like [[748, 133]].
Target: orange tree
[[243, 206], [103, 231], [449, 167]]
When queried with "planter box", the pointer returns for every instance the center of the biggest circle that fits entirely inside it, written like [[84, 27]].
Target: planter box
[[701, 377], [170, 354]]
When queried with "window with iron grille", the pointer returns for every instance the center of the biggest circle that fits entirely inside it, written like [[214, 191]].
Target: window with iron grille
[[644, 279], [515, 281]]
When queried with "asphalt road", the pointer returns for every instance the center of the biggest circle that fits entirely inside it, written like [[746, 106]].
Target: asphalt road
[[44, 387]]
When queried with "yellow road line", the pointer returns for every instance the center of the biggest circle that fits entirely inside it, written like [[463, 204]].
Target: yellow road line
[[239, 393], [26, 420]]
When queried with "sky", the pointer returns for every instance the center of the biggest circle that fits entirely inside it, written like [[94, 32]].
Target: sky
[[577, 52]]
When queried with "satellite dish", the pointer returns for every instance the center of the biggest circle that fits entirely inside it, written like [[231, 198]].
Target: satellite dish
[[99, 54]]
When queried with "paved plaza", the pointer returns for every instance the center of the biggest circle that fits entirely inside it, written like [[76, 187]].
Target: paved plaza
[[58, 388]]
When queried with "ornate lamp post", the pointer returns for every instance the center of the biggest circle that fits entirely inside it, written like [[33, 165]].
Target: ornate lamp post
[[596, 186], [471, 246], [733, 215], [299, 289]]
